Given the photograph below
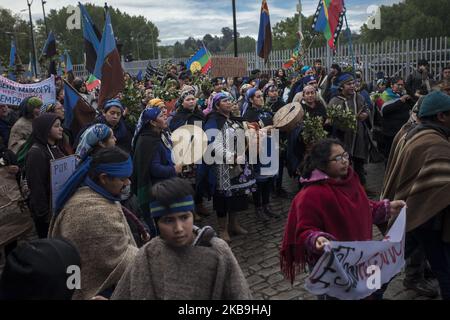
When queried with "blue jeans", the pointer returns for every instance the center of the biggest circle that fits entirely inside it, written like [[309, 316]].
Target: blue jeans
[[437, 252]]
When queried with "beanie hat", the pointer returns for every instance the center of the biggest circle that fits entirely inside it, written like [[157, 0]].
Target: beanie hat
[[434, 103]]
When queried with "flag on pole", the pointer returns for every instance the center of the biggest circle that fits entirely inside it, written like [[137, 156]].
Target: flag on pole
[[200, 61], [265, 33], [92, 38], [49, 49], [12, 61], [108, 67], [92, 82], [68, 70], [78, 113], [288, 64], [328, 19]]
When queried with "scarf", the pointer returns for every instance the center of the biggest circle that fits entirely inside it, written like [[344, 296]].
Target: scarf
[[117, 170], [146, 116], [90, 138]]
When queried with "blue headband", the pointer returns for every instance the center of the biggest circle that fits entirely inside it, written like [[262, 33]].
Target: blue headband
[[113, 103], [117, 170], [346, 77], [182, 205]]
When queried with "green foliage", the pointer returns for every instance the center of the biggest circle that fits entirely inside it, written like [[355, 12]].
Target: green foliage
[[342, 118], [411, 19], [13, 26], [131, 98], [313, 130], [135, 34]]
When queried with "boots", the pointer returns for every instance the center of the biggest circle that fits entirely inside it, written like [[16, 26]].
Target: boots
[[235, 228], [223, 228], [260, 214]]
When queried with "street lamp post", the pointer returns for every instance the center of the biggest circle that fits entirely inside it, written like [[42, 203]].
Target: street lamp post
[[45, 19], [32, 38], [235, 29]]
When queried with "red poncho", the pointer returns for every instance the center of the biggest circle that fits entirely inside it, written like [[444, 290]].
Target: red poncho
[[339, 210]]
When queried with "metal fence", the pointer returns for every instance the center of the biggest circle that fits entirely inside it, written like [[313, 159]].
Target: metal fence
[[393, 58]]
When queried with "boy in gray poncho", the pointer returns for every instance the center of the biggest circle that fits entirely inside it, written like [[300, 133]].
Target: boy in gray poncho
[[184, 262]]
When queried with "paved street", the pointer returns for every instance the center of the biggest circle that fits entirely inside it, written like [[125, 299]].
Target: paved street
[[257, 252]]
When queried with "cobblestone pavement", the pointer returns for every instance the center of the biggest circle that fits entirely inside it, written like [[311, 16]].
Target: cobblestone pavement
[[258, 251]]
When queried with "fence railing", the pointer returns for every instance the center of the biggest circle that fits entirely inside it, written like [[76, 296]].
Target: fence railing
[[393, 58]]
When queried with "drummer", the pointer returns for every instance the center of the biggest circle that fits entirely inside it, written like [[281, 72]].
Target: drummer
[[152, 157], [274, 102], [188, 112], [257, 114]]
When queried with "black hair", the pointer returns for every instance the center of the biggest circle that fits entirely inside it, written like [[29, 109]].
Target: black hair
[[103, 156], [319, 156], [447, 67], [318, 60], [171, 190]]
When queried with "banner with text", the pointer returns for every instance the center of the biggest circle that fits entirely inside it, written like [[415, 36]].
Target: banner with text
[[355, 270], [13, 93]]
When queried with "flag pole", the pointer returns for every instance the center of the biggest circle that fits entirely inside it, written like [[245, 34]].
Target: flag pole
[[349, 34]]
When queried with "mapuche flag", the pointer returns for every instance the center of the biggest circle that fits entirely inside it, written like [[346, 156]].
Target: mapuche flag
[[328, 20], [108, 68], [91, 37], [78, 113], [200, 61], [265, 33]]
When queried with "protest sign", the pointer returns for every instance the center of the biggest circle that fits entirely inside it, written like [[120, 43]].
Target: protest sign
[[228, 67], [60, 171], [13, 93], [355, 270]]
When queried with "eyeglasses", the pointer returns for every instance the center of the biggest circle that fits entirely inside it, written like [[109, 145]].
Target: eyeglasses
[[345, 156]]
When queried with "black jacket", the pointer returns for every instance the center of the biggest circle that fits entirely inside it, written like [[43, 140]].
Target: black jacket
[[37, 166], [395, 115]]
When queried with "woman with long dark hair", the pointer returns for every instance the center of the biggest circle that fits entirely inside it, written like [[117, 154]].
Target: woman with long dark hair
[[331, 206]]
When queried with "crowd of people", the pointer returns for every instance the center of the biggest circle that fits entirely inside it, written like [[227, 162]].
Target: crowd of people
[[128, 215]]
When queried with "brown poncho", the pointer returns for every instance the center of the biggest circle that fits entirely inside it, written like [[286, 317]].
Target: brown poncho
[[419, 172], [161, 272], [99, 230]]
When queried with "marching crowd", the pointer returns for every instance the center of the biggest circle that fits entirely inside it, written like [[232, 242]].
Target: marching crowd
[[128, 215]]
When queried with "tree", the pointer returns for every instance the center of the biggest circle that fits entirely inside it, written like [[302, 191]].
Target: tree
[[13, 27], [246, 44], [411, 19], [136, 34]]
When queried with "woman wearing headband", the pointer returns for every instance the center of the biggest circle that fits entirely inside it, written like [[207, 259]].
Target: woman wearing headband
[[152, 157], [228, 184]]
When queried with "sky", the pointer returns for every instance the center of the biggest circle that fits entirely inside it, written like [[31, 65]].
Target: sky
[[179, 19]]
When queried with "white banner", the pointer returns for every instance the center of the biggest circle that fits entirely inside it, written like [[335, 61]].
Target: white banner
[[60, 171], [13, 93], [355, 270]]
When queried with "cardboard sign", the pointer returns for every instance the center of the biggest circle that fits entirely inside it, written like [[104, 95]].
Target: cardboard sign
[[229, 67], [355, 270], [60, 171]]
